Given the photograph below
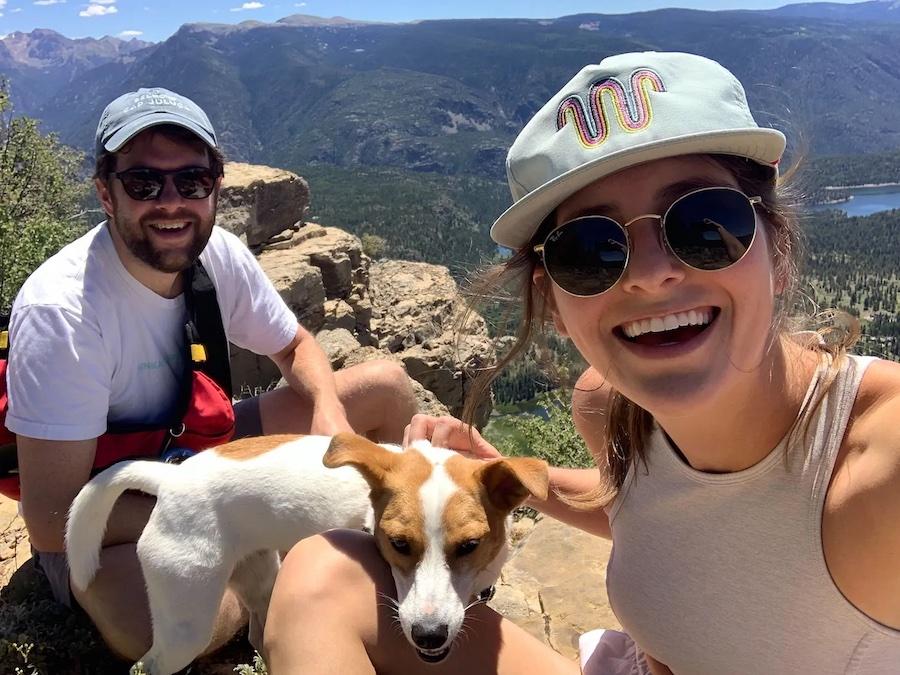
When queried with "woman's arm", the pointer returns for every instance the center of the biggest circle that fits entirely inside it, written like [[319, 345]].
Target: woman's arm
[[862, 507]]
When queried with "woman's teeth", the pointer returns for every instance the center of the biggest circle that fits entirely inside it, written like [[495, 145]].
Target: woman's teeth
[[660, 324]]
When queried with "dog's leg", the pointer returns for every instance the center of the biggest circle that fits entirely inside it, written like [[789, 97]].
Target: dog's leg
[[184, 594], [252, 581]]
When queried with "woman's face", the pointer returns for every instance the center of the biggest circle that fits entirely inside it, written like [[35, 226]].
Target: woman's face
[[670, 371]]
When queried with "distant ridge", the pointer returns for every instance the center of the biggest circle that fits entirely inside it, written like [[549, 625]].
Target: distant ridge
[[292, 21], [310, 20], [874, 10]]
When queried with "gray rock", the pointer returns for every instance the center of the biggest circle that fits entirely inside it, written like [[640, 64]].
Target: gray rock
[[259, 202], [555, 586], [338, 314], [299, 283], [417, 315], [337, 344]]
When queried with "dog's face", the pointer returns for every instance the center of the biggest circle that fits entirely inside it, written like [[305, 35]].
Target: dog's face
[[440, 522]]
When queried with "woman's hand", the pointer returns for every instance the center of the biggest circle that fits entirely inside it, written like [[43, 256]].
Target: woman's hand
[[449, 432]]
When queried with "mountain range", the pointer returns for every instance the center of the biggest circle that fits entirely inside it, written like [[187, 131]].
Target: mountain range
[[448, 96], [353, 101]]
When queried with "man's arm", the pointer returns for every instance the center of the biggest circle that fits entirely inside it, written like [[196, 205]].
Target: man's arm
[[51, 473], [307, 370]]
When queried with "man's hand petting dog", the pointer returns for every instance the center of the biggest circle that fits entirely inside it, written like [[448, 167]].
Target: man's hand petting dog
[[439, 520]]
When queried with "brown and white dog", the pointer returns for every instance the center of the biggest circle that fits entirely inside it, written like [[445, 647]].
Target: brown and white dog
[[439, 519]]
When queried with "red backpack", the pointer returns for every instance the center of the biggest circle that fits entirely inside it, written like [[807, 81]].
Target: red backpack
[[204, 415]]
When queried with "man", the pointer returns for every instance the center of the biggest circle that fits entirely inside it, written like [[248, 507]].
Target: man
[[97, 339]]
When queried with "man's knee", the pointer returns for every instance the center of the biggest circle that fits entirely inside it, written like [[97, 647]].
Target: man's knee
[[398, 388], [387, 376]]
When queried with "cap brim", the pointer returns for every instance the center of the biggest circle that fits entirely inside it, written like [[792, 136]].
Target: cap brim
[[133, 128], [515, 227]]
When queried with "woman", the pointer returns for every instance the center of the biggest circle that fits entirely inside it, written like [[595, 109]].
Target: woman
[[749, 474]]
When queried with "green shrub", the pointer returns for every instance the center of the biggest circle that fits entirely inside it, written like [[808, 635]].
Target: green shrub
[[551, 436]]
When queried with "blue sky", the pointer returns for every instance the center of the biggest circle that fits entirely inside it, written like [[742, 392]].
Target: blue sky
[[157, 19]]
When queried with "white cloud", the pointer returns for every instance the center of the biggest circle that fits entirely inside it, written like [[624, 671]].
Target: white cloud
[[17, 9], [103, 2], [299, 4], [130, 34], [98, 10], [2, 5], [48, 2], [248, 5]]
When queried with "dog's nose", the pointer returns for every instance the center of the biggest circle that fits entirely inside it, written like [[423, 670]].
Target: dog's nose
[[429, 637]]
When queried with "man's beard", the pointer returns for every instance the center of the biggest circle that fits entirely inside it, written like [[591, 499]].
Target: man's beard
[[167, 260]]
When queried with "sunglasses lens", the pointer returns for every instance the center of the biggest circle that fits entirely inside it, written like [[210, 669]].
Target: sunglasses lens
[[142, 185], [586, 256], [146, 184], [194, 183], [711, 229]]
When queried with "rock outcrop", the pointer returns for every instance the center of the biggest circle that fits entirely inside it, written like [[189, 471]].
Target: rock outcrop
[[257, 203], [404, 311]]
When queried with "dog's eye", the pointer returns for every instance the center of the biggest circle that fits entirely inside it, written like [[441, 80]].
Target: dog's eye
[[467, 547], [400, 545]]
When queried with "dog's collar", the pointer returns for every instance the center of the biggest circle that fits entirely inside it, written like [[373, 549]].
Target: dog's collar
[[486, 595]]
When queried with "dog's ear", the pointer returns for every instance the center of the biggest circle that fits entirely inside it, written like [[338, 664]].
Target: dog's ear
[[369, 458], [509, 481]]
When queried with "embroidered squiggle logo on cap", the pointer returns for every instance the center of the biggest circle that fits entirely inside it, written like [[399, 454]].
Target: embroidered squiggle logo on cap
[[632, 107]]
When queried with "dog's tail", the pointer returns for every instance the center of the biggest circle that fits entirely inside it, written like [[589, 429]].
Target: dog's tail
[[91, 508]]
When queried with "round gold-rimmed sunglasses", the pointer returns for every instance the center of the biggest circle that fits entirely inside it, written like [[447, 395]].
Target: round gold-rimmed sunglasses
[[707, 229]]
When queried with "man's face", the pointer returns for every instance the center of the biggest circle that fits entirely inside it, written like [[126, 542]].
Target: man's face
[[167, 233]]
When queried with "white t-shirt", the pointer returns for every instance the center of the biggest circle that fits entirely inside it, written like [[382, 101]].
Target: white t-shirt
[[91, 344]]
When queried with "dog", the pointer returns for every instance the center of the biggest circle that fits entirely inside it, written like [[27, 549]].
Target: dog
[[439, 520]]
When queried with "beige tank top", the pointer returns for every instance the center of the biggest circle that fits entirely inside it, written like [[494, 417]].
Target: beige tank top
[[725, 573]]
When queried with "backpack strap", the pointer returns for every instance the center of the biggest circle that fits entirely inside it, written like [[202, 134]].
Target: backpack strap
[[207, 343], [4, 335]]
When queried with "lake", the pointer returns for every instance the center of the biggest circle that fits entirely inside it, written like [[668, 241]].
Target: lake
[[867, 201]]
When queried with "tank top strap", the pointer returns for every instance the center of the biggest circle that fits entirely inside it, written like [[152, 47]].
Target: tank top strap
[[826, 429]]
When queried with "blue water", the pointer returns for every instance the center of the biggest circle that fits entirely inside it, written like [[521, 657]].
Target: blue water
[[867, 201]]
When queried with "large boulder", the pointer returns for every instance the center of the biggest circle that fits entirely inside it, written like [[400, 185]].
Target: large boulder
[[259, 202]]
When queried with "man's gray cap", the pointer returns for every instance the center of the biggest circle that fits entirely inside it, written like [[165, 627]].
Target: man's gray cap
[[137, 111]]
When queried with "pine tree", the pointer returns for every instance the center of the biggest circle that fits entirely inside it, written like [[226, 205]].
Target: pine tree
[[39, 193]]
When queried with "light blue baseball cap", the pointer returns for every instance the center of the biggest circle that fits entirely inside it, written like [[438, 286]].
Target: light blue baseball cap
[[626, 110], [137, 111]]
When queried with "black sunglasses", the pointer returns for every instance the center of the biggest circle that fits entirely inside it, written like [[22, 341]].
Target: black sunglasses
[[706, 229], [147, 184]]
